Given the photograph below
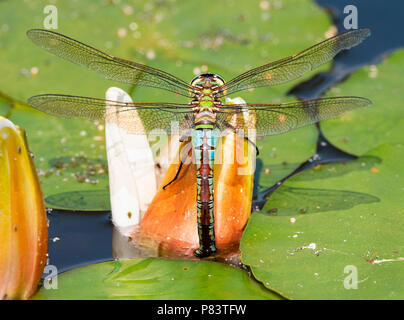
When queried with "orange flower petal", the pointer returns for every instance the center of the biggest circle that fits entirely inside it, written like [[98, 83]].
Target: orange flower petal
[[23, 224], [171, 219]]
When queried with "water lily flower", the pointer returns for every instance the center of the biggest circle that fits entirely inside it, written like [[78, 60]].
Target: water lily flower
[[23, 223], [169, 220]]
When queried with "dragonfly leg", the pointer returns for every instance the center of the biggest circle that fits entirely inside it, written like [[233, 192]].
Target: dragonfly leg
[[228, 125], [182, 139], [176, 175], [255, 146]]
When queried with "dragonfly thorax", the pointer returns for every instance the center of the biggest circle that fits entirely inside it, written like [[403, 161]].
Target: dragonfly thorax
[[206, 86]]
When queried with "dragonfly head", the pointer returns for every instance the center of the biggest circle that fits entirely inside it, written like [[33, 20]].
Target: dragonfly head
[[207, 80]]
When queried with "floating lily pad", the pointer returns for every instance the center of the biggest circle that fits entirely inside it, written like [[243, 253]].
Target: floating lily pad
[[4, 107], [353, 221], [361, 130], [86, 200], [156, 279]]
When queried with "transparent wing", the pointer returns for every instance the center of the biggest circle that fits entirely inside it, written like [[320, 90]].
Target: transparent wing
[[274, 118], [293, 67], [155, 118], [109, 66]]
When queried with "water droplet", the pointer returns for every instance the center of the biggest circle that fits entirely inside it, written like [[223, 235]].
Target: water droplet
[[150, 54], [264, 5], [133, 26], [122, 32], [127, 10]]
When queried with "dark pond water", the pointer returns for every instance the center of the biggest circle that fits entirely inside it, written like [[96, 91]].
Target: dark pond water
[[77, 239]]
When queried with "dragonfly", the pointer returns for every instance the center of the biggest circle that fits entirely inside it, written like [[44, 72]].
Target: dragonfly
[[204, 114]]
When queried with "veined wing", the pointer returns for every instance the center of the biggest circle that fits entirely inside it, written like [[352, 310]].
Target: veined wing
[[155, 118], [275, 118], [111, 67], [293, 67]]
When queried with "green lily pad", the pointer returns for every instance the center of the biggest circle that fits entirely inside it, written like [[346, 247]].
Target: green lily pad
[[153, 278], [353, 221], [228, 38], [4, 106], [86, 200], [361, 130]]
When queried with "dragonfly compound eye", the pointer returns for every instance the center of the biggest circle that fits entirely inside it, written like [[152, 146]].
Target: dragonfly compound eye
[[204, 78]]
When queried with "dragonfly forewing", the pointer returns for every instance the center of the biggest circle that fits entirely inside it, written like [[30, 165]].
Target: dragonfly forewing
[[293, 67], [110, 67]]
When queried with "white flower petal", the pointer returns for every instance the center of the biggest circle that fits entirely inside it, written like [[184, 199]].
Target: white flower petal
[[132, 180]]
